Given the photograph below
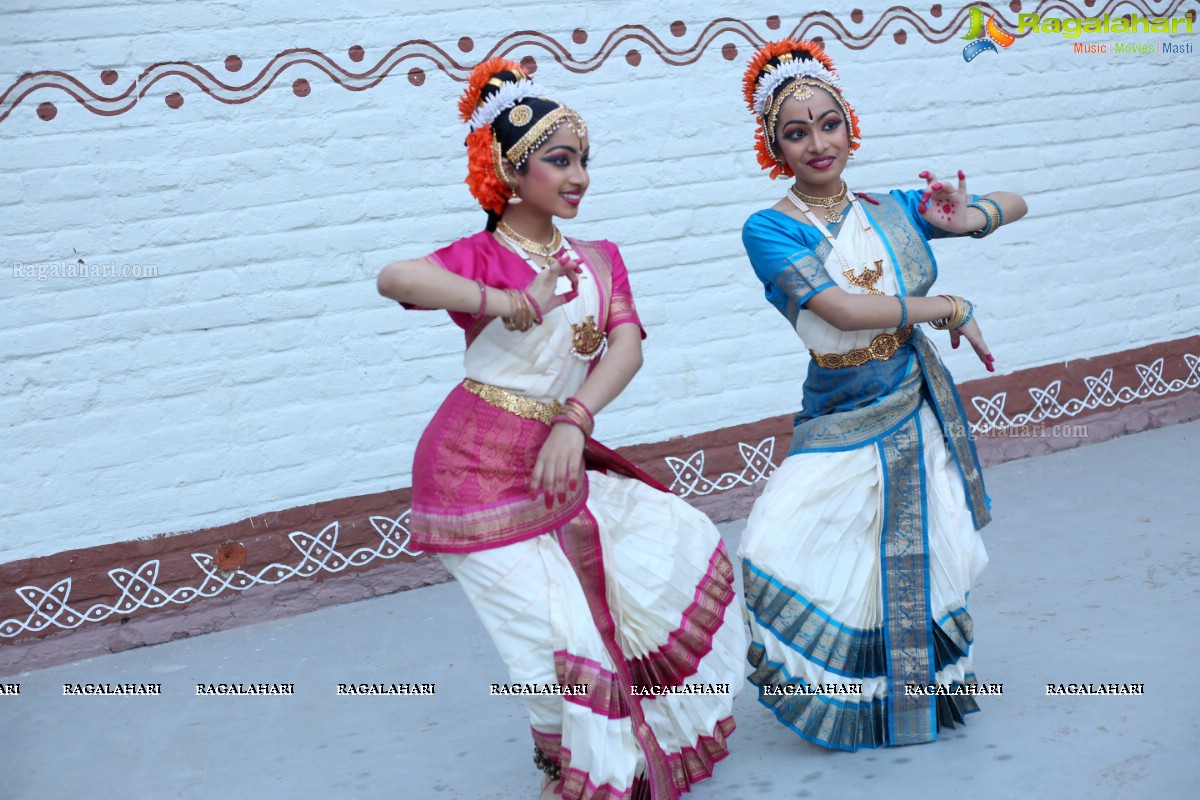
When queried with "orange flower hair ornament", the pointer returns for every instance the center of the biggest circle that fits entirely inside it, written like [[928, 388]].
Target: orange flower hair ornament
[[783, 69], [485, 174], [500, 102]]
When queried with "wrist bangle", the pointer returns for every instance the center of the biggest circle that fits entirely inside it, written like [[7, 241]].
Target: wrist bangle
[[903, 311], [575, 402], [482, 300], [537, 310], [999, 212], [992, 213], [967, 318], [957, 316], [521, 318], [576, 413]]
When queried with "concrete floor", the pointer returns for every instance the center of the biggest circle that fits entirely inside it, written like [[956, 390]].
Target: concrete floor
[[1093, 578]]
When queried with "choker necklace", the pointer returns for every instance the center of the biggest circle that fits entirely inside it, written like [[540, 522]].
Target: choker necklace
[[588, 342], [869, 275], [529, 245], [826, 203]]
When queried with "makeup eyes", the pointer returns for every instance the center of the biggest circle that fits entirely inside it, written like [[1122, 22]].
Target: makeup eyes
[[798, 132], [564, 161]]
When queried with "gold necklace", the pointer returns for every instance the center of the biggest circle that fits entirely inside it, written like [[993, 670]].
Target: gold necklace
[[530, 246], [825, 203], [869, 275]]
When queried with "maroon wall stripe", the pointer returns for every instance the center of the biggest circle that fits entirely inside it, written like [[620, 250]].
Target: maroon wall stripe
[[629, 42]]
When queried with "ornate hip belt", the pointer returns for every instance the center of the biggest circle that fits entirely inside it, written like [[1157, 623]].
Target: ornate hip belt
[[881, 348], [523, 407]]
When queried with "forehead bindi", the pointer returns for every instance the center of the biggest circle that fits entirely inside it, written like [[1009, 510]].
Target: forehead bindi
[[809, 109]]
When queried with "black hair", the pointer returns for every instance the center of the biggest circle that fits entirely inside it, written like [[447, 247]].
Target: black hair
[[508, 134]]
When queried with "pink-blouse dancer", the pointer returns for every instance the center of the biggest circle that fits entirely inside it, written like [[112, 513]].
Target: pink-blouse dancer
[[580, 566]]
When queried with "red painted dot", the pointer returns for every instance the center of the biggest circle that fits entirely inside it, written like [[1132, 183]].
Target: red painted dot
[[856, 15], [678, 28], [356, 53], [46, 111], [729, 51], [633, 58], [233, 63], [301, 87], [108, 77], [174, 100], [416, 76], [529, 64], [579, 36], [819, 41], [773, 22], [900, 37], [936, 10], [1015, 5], [466, 44]]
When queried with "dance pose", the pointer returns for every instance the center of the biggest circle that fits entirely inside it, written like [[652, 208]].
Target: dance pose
[[583, 569], [861, 552]]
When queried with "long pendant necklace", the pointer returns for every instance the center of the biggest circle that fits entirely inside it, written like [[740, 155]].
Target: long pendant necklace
[[826, 203], [869, 275], [588, 342]]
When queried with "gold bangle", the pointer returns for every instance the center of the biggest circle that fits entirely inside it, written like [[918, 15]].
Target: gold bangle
[[944, 323], [960, 312], [992, 215], [520, 318], [574, 413]]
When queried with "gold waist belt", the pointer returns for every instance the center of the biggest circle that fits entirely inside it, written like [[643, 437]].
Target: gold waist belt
[[523, 407], [881, 348]]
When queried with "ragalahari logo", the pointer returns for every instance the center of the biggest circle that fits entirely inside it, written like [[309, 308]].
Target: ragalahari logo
[[984, 37]]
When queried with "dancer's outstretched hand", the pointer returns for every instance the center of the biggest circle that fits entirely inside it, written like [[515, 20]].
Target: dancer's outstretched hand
[[943, 205]]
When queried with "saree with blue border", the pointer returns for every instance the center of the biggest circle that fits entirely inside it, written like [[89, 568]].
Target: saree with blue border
[[859, 557]]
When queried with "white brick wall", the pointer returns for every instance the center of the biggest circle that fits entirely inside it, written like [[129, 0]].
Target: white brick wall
[[259, 370]]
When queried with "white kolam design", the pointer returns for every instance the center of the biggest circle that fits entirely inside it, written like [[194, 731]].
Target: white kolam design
[[1100, 394], [51, 608], [689, 478]]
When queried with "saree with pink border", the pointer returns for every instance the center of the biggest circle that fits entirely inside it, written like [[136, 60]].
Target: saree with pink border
[[624, 588]]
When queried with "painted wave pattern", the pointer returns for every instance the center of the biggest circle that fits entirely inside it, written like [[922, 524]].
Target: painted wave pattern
[[629, 41]]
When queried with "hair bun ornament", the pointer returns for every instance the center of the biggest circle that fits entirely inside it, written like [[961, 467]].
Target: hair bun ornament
[[772, 51], [770, 69], [487, 73], [494, 84]]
